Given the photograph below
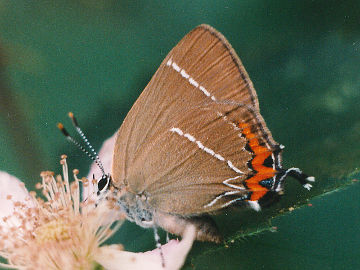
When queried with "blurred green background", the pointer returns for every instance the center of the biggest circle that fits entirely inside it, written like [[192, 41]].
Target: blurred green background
[[94, 57]]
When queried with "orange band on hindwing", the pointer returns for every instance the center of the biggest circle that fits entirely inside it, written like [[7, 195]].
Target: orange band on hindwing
[[261, 153]]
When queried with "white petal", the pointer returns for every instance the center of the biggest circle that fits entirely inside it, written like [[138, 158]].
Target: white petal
[[11, 186], [174, 252], [12, 190]]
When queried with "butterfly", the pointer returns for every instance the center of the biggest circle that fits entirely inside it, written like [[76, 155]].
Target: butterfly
[[195, 142]]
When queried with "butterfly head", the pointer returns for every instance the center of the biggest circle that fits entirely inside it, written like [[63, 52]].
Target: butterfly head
[[103, 185]]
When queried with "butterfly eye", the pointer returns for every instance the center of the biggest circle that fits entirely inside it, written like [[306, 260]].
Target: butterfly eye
[[103, 182]]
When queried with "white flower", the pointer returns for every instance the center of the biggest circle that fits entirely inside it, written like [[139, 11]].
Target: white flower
[[59, 233]]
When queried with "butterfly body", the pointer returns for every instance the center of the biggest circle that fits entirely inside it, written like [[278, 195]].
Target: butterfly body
[[136, 209], [195, 142]]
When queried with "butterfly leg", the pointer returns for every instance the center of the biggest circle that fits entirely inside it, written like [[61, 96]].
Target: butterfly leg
[[158, 245]]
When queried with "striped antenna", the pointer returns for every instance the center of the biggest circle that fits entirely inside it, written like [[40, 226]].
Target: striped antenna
[[93, 156], [81, 133]]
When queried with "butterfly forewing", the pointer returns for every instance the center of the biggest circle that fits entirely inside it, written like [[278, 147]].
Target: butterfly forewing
[[185, 135]]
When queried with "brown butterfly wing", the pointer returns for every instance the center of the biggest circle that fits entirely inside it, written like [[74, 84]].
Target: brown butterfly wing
[[181, 143]]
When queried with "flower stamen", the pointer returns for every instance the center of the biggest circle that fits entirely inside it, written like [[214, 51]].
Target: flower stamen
[[59, 233]]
